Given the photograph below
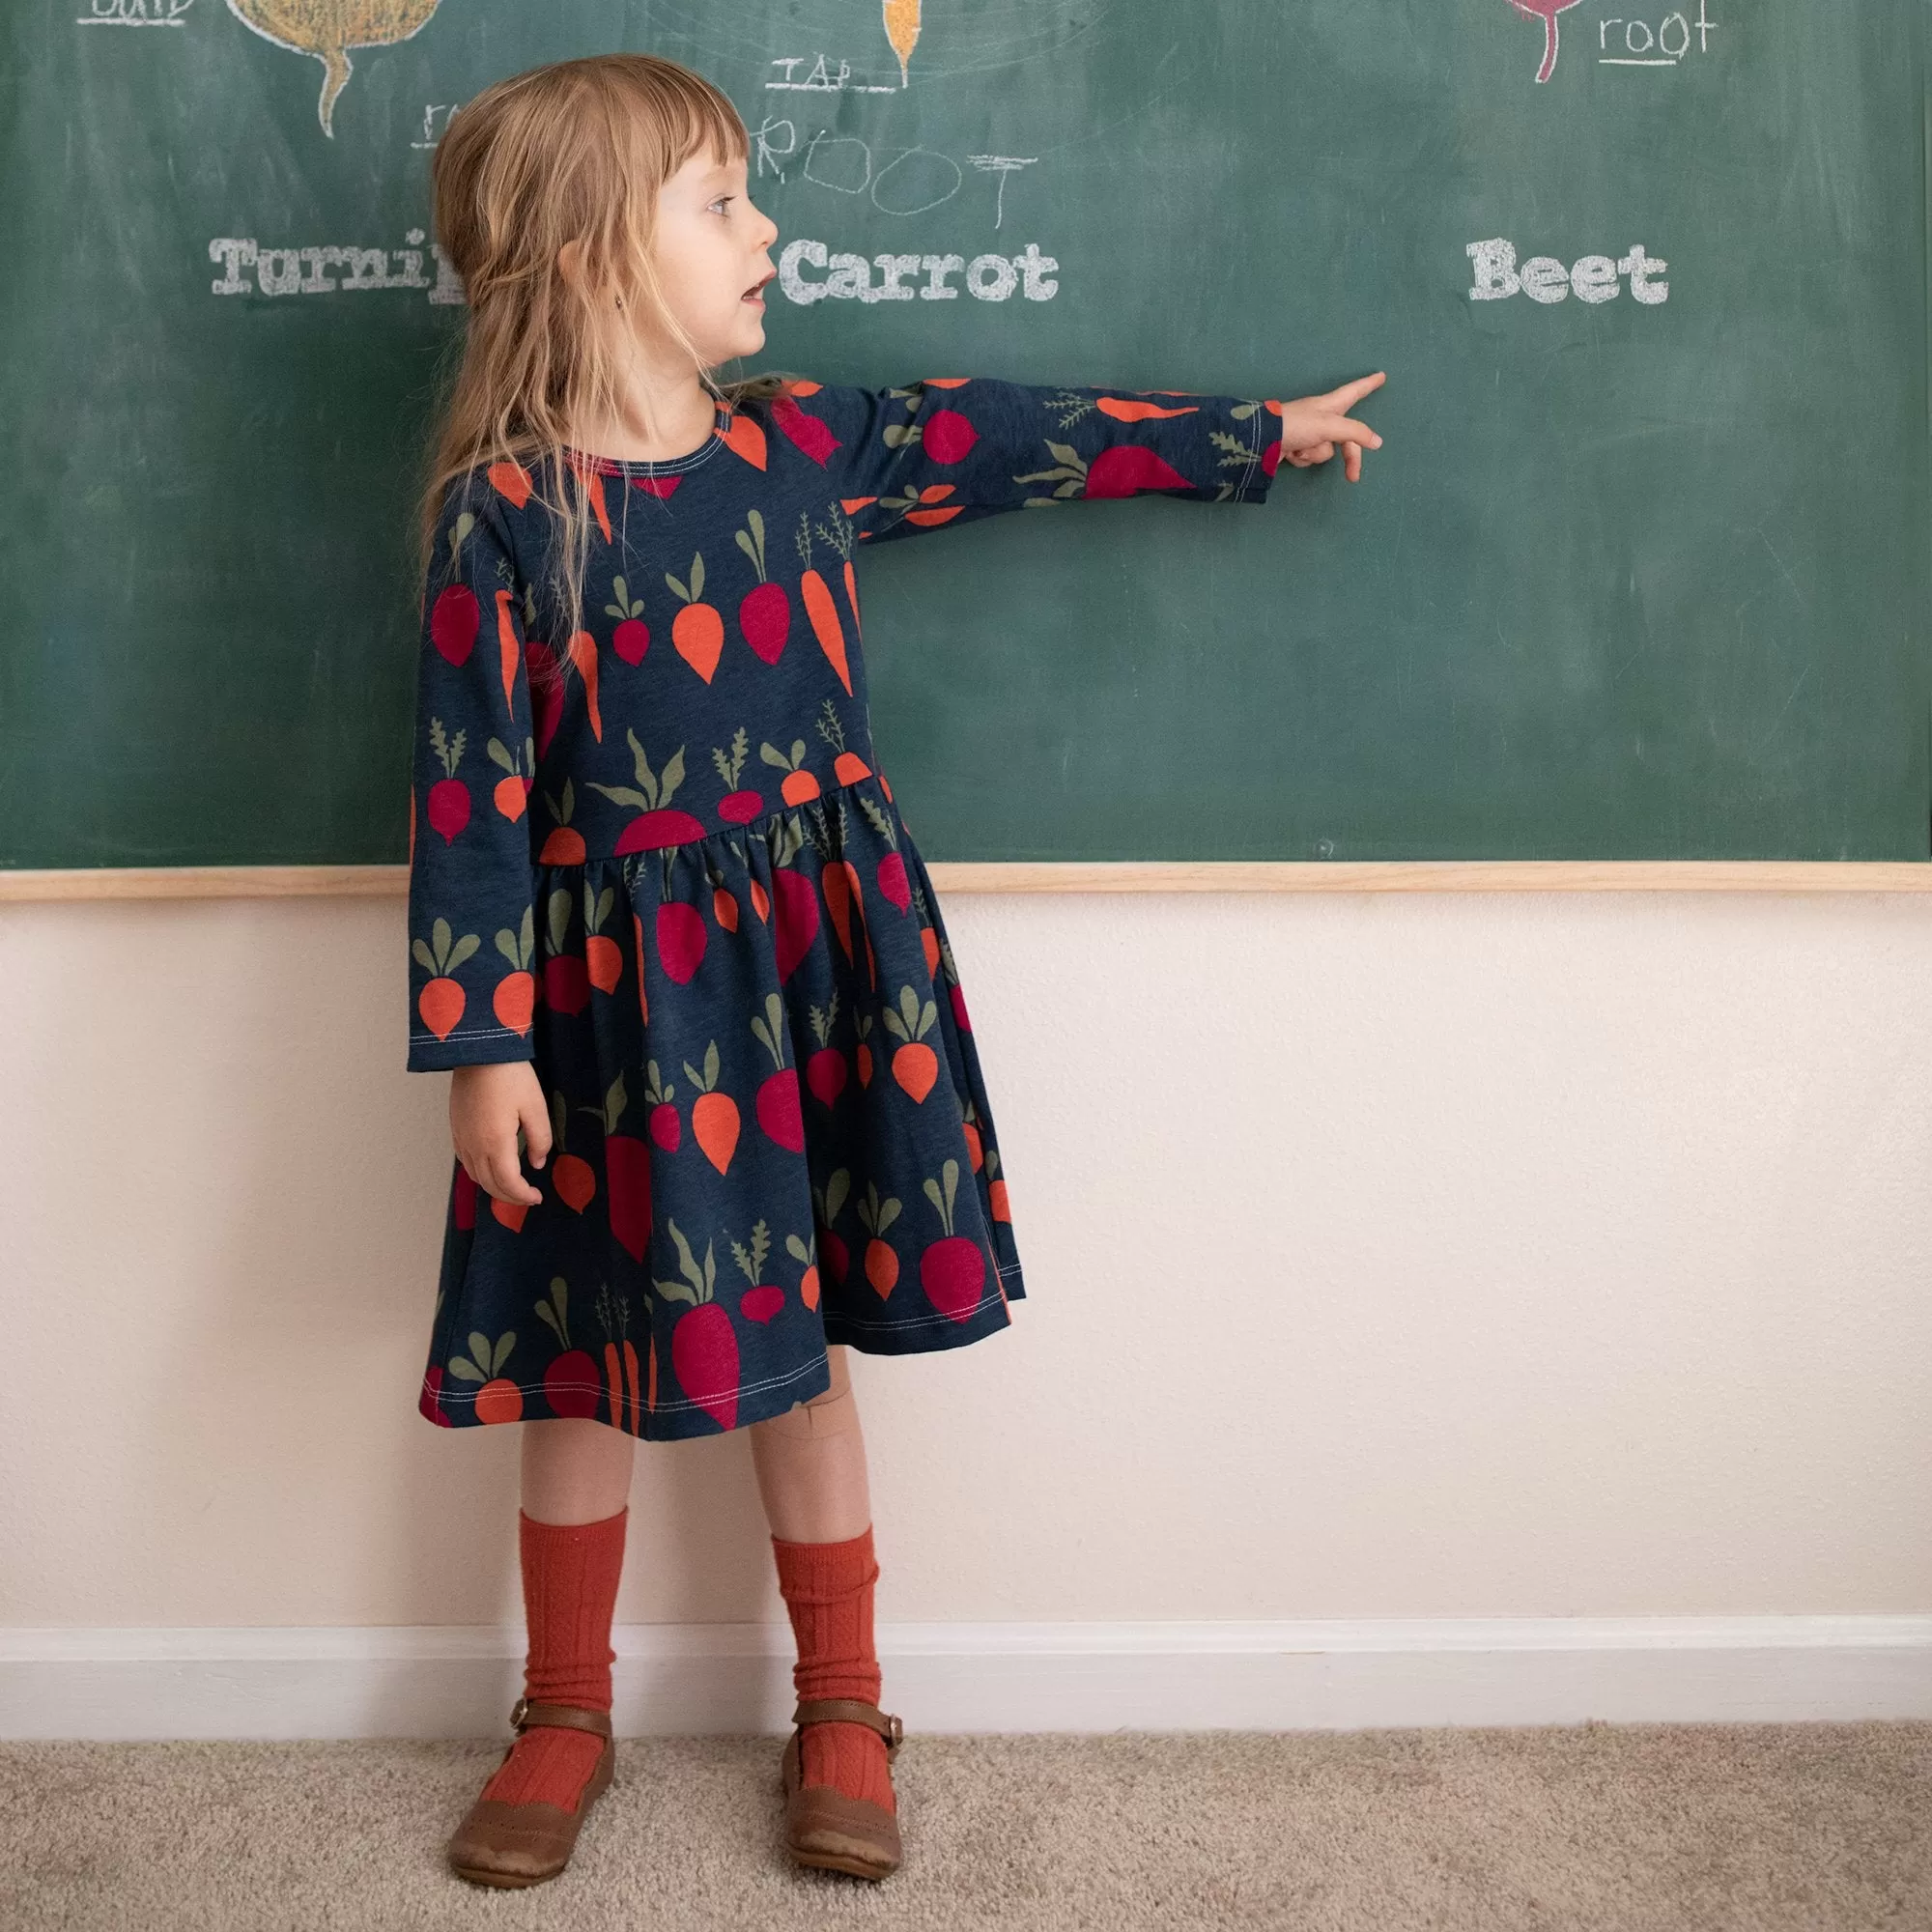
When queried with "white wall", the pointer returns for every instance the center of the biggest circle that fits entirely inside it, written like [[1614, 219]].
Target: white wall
[[1387, 1257]]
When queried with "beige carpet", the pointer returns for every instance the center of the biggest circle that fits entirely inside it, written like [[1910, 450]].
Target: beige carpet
[[1679, 1828]]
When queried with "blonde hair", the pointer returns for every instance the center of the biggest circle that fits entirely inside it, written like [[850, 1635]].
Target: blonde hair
[[576, 150]]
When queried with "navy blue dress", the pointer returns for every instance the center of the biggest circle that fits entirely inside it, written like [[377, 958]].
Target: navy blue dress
[[656, 857]]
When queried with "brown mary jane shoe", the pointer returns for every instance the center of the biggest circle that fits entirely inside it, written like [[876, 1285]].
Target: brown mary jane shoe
[[524, 1844], [825, 1827]]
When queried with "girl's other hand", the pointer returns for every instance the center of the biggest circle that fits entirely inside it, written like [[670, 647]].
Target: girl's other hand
[[1313, 425], [487, 1105]]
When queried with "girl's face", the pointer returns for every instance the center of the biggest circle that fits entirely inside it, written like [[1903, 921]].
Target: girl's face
[[711, 256]]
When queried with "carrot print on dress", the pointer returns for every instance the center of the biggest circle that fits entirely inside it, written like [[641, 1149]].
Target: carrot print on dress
[[882, 1260], [847, 767], [570, 1174], [915, 1064], [511, 795], [808, 1283], [816, 597], [515, 999], [714, 1115], [698, 630], [442, 1001], [498, 1399], [615, 1319], [570, 1376], [704, 1344], [604, 957]]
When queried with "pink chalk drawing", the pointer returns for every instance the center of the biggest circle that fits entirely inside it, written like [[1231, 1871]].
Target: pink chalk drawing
[[1546, 11]]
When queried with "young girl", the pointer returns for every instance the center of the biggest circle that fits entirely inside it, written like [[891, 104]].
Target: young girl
[[717, 1112]]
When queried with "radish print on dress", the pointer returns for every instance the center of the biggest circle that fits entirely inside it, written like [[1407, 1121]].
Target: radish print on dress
[[448, 796], [563, 844], [808, 1284], [627, 1174], [660, 824], [566, 977], [632, 637], [661, 1097], [826, 1071], [454, 622], [570, 1382], [740, 805], [570, 1174], [704, 1344], [777, 1104], [764, 611], [951, 1270], [827, 1204], [762, 1299]]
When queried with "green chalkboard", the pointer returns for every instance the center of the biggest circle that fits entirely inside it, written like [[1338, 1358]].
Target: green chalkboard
[[1641, 572]]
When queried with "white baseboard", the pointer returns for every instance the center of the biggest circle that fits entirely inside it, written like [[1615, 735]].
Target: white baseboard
[[402, 1680]]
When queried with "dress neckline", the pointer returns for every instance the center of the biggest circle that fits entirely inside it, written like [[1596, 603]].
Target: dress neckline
[[721, 423]]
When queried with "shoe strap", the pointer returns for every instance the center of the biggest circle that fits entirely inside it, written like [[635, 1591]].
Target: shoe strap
[[566, 1717], [851, 1711]]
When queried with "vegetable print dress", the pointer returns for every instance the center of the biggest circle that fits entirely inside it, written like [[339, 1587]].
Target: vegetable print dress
[[657, 858]]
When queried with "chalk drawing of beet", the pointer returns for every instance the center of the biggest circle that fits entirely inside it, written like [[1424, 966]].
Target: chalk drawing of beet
[[1545, 11], [329, 28]]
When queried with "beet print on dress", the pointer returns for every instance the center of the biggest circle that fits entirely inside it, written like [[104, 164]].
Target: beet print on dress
[[655, 858]]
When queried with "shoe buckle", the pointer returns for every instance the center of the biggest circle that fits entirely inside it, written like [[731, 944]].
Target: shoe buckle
[[518, 1711], [897, 1728]]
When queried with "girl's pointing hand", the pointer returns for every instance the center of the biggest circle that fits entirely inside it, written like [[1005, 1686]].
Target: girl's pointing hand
[[1313, 425]]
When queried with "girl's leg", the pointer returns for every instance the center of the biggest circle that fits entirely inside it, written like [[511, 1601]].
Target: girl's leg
[[576, 1482], [811, 1466]]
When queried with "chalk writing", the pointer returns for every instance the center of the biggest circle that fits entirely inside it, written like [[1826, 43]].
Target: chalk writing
[[135, 13], [435, 123], [913, 180], [819, 79], [1543, 278], [849, 277], [329, 268], [1664, 46]]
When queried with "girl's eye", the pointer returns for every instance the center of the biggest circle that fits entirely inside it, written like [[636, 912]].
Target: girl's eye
[[723, 198]]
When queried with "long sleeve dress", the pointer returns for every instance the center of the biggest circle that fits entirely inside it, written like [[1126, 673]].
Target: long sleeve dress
[[656, 857]]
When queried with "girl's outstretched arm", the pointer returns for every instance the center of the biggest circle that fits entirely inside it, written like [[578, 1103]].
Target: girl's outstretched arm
[[473, 935], [953, 449]]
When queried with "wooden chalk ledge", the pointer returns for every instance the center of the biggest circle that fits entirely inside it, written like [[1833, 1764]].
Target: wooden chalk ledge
[[1446, 875]]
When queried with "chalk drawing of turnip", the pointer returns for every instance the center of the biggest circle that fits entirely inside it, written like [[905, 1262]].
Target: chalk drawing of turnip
[[329, 28], [1545, 11]]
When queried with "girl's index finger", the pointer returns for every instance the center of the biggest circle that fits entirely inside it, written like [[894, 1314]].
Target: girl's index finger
[[1350, 393]]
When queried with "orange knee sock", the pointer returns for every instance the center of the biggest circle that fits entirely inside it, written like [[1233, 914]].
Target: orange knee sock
[[570, 1590], [827, 1590]]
